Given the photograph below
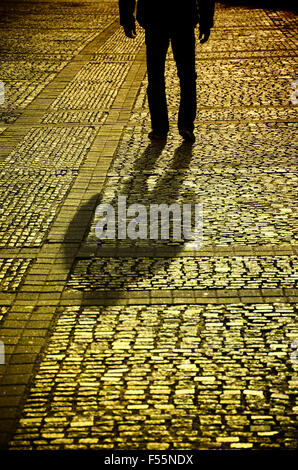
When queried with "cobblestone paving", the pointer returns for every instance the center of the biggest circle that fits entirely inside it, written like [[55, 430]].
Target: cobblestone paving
[[47, 162], [37, 42], [54, 154], [185, 273], [164, 377], [254, 82], [12, 272], [242, 203], [135, 344]]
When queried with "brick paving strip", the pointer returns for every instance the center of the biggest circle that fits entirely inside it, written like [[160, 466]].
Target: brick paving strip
[[45, 324]]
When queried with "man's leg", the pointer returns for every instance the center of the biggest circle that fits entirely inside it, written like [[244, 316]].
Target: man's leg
[[157, 43], [183, 45]]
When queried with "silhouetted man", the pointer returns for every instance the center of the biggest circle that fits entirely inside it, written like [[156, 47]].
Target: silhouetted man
[[165, 21]]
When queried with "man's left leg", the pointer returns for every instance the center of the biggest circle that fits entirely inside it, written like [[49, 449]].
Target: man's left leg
[[183, 45]]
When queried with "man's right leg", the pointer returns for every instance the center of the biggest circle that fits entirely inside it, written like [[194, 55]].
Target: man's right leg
[[183, 45], [157, 43]]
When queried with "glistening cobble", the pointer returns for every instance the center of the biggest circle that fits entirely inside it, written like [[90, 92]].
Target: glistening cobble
[[184, 376], [184, 273]]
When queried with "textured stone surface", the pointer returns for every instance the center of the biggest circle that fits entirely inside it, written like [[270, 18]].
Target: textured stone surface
[[243, 202], [44, 166], [184, 273], [181, 376], [12, 272], [38, 41], [134, 345]]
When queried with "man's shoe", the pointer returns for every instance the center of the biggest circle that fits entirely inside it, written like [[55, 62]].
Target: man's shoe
[[157, 135], [188, 136]]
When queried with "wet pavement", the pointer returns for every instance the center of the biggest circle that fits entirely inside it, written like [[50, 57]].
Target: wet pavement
[[142, 344]]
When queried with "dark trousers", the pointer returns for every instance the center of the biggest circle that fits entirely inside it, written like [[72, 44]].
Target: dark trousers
[[183, 46]]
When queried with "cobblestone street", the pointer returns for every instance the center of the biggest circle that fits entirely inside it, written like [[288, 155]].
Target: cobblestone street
[[141, 344]]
